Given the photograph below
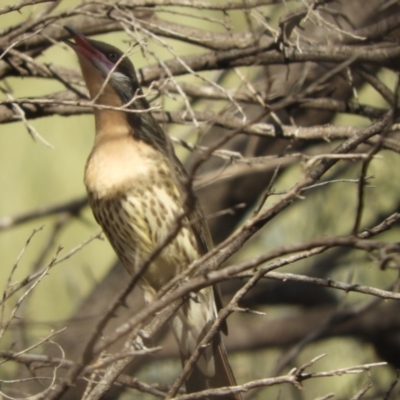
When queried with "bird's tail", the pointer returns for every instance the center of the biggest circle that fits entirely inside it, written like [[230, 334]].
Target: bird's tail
[[190, 324]]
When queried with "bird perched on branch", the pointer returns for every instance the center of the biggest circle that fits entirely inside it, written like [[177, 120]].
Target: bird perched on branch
[[137, 188]]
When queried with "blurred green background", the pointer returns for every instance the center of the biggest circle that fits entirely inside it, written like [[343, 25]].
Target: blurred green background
[[34, 176]]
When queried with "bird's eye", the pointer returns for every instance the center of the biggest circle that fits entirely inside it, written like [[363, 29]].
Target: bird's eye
[[112, 56]]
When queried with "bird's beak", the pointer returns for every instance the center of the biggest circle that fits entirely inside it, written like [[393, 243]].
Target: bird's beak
[[82, 46]]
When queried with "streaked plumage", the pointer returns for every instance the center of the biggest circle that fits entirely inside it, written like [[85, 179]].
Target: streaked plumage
[[136, 187]]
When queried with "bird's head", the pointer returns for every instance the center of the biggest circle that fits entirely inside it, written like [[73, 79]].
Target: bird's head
[[101, 61]]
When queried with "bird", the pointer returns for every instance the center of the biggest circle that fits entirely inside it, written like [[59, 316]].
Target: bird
[[137, 188]]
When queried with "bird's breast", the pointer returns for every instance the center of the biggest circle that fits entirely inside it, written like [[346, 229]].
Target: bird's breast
[[135, 198], [116, 164]]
